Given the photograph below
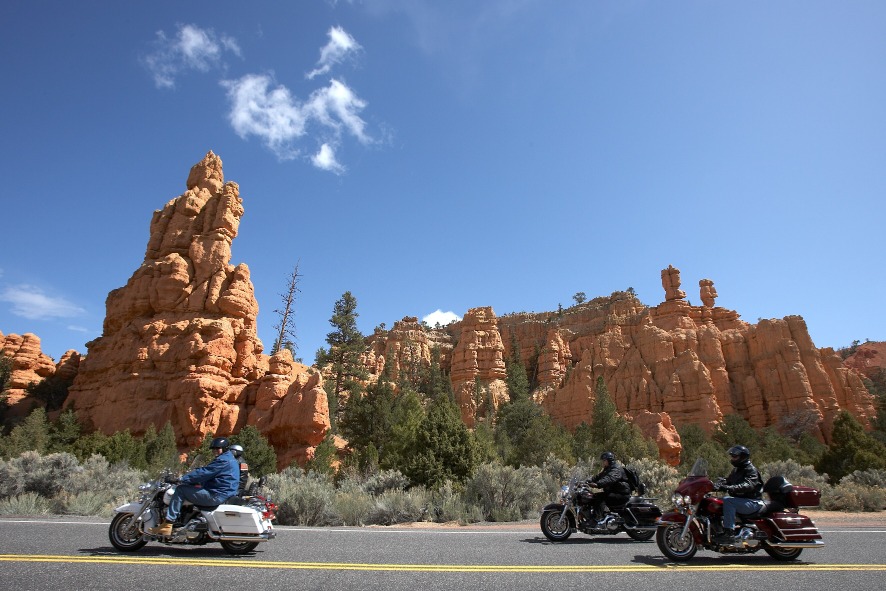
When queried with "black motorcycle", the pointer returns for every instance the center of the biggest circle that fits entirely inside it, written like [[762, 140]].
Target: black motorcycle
[[574, 512]]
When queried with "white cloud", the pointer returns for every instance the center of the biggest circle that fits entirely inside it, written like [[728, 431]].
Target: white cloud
[[441, 317], [325, 160], [273, 115], [75, 328], [192, 48], [340, 45], [30, 302]]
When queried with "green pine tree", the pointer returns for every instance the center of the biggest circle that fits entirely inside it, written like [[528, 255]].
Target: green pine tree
[[259, 454], [444, 448]]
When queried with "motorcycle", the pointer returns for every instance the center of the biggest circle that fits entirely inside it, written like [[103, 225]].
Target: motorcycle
[[574, 512], [778, 529], [238, 525]]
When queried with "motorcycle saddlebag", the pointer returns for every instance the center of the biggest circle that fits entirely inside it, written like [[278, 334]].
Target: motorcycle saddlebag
[[804, 496], [235, 519], [794, 528]]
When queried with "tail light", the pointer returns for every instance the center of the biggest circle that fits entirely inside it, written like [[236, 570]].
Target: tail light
[[270, 511]]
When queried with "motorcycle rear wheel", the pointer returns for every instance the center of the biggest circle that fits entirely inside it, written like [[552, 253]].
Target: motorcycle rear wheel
[[555, 529], [784, 554], [124, 534], [641, 535], [239, 547], [672, 545]]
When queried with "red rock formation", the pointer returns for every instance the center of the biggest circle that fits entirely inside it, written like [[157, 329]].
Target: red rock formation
[[868, 359], [673, 364], [478, 359], [179, 342], [31, 366]]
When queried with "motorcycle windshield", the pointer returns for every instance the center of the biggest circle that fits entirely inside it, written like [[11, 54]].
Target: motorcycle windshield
[[699, 468]]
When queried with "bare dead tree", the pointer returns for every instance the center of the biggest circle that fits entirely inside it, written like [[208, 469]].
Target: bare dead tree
[[285, 327]]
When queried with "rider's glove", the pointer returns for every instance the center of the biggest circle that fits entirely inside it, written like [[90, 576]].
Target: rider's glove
[[720, 485]]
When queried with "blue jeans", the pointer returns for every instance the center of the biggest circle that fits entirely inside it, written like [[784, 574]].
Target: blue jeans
[[733, 505], [188, 492]]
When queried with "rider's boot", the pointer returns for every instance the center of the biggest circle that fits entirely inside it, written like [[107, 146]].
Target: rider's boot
[[727, 537], [164, 528]]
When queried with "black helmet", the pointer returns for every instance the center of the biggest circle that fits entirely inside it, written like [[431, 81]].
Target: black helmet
[[220, 443], [237, 450], [607, 456], [739, 454]]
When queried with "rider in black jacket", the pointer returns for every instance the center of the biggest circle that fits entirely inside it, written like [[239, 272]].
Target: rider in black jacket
[[744, 487], [614, 482]]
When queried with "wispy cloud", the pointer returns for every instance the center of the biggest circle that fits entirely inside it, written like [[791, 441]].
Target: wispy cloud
[[325, 160], [441, 317], [339, 47], [31, 302], [76, 328], [192, 48], [278, 119]]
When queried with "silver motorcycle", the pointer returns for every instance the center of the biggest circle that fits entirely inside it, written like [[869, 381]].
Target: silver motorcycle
[[238, 525]]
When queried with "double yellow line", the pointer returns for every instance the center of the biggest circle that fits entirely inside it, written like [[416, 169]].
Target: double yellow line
[[247, 562]]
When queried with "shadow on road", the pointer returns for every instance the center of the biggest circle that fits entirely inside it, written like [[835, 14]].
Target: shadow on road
[[719, 560], [167, 551]]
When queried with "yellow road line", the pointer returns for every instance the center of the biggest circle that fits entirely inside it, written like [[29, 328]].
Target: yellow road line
[[472, 568]]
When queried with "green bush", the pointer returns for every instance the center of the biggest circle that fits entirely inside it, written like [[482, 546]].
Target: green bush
[[302, 499], [504, 493], [399, 506], [875, 478], [31, 472], [29, 503], [84, 503], [447, 503], [352, 507], [660, 479], [795, 474], [851, 496]]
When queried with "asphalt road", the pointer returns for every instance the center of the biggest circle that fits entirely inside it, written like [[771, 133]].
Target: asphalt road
[[75, 554]]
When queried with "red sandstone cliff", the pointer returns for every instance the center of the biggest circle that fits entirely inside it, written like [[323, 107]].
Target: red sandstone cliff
[[179, 341], [31, 366]]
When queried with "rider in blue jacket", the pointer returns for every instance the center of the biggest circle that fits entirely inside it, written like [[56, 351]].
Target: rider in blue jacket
[[218, 480]]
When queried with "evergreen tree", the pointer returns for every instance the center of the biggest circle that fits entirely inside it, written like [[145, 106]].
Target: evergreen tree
[[285, 327], [611, 432], [367, 417], [346, 344], [30, 434], [64, 432], [444, 448], [851, 449], [516, 379], [324, 458], [259, 454], [407, 415], [161, 449]]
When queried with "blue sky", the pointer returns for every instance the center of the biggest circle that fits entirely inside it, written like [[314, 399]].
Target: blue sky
[[438, 156]]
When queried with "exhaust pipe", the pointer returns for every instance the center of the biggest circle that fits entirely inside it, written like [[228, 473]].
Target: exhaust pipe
[[813, 544]]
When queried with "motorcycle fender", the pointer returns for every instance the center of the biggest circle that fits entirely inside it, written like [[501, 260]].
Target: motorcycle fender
[[133, 507], [672, 517], [553, 507]]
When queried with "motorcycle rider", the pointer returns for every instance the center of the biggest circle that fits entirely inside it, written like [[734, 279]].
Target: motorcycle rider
[[237, 450], [613, 481], [218, 480], [744, 489]]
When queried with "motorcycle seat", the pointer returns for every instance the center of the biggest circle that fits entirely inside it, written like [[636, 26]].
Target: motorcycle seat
[[768, 507]]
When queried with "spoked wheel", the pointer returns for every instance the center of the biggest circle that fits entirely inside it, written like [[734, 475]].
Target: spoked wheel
[[641, 535], [673, 545], [239, 547], [555, 526], [785, 554], [124, 533]]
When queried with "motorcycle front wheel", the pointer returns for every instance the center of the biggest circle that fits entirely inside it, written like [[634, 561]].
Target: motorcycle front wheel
[[673, 545], [124, 533], [239, 547], [785, 554], [553, 527], [641, 535]]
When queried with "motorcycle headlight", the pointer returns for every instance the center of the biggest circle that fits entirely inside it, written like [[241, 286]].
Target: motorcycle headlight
[[677, 500], [144, 487], [564, 492]]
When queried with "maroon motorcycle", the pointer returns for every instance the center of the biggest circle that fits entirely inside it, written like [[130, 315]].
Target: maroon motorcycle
[[778, 529]]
